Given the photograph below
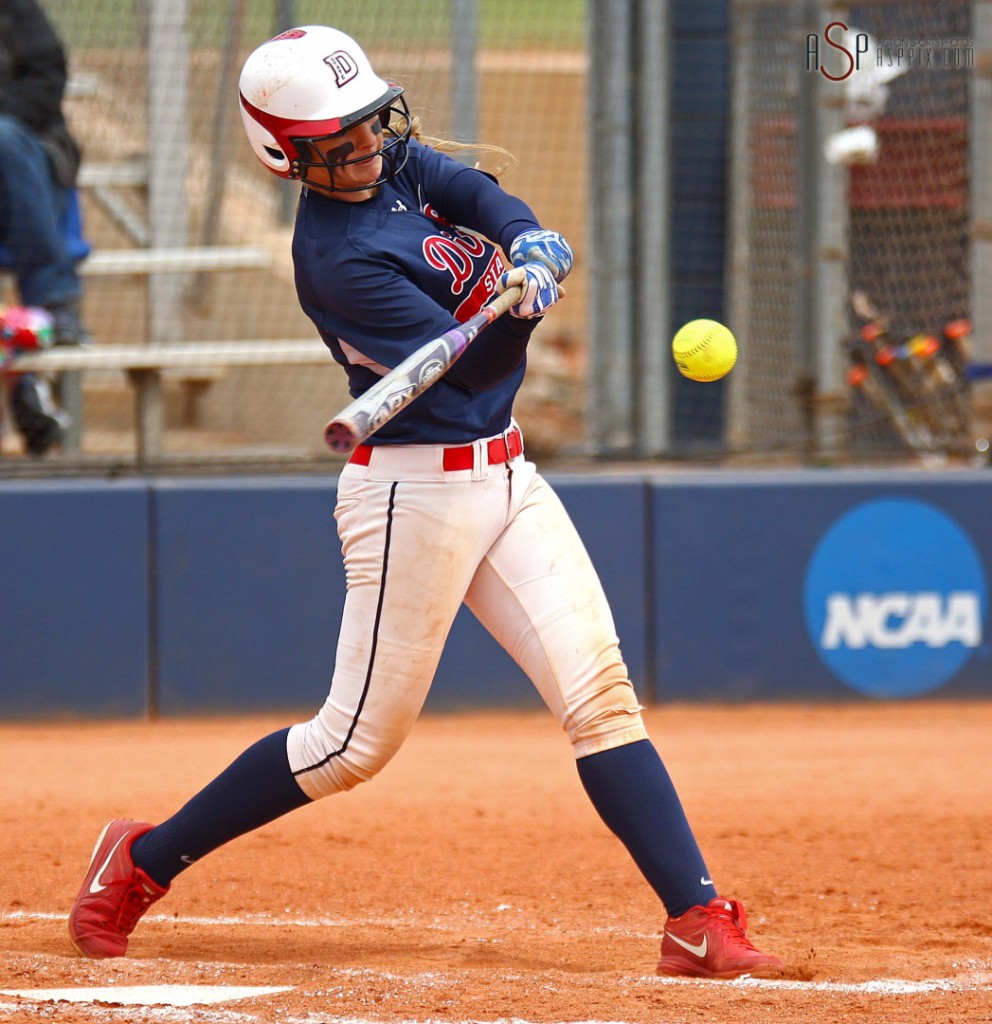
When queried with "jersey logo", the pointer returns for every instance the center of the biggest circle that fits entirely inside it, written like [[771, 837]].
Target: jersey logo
[[482, 291], [456, 254], [343, 65], [456, 251]]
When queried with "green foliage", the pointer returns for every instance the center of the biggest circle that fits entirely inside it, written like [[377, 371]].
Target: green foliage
[[502, 24]]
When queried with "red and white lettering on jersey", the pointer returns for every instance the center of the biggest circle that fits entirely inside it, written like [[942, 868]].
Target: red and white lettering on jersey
[[483, 289], [429, 211], [455, 253]]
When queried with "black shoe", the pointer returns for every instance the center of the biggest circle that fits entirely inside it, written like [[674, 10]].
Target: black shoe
[[41, 422], [67, 325]]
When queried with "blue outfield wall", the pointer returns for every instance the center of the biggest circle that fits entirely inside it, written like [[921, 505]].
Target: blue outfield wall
[[248, 593], [185, 596], [74, 584], [822, 586]]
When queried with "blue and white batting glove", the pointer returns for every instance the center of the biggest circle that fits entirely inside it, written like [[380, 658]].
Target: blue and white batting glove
[[540, 290], [547, 247]]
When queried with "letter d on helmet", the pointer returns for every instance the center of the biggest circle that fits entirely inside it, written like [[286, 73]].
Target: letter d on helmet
[[311, 82]]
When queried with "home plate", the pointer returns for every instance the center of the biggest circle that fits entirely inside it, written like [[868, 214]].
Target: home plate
[[144, 995]]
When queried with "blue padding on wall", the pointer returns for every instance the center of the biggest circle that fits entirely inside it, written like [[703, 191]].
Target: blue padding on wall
[[249, 593], [610, 516], [226, 596], [732, 558], [73, 604]]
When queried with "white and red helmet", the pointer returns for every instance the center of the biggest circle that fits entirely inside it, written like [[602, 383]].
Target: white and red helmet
[[310, 83]]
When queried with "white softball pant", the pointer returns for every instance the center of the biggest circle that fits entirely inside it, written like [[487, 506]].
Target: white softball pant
[[419, 540]]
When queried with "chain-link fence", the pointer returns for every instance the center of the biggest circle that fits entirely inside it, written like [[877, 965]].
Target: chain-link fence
[[858, 207], [854, 204], [152, 98]]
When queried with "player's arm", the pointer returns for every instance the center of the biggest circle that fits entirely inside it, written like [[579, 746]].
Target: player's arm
[[474, 199], [382, 317]]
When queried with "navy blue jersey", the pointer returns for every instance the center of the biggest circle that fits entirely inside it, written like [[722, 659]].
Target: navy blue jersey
[[381, 277]]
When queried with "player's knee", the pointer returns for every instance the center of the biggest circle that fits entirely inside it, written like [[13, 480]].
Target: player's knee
[[324, 766], [610, 717]]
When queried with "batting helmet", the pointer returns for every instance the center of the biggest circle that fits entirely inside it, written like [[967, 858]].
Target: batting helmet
[[308, 84]]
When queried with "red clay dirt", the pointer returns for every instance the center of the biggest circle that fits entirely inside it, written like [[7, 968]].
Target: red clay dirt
[[472, 881]]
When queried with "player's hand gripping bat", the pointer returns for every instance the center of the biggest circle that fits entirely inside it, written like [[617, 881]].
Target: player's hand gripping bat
[[398, 388]]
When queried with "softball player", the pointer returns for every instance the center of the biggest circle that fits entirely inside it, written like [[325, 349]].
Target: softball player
[[395, 242]]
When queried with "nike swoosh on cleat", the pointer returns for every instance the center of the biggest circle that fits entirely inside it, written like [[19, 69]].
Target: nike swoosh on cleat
[[705, 881], [95, 885], [699, 950]]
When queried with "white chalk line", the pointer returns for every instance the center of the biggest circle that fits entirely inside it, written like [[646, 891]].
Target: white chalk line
[[269, 921], [147, 995], [978, 982], [970, 981], [155, 1014]]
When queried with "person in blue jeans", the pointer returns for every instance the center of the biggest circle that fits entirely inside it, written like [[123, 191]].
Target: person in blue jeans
[[39, 161]]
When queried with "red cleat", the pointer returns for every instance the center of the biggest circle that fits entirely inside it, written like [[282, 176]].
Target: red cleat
[[114, 894], [711, 942]]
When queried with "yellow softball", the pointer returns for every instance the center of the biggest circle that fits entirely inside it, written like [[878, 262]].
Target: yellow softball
[[704, 350]]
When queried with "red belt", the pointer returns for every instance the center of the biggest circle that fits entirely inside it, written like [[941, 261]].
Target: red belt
[[498, 450]]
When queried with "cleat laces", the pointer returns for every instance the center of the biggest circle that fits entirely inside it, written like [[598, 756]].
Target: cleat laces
[[136, 902], [731, 922]]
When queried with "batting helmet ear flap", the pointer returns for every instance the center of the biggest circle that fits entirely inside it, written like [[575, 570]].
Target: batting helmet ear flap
[[265, 144]]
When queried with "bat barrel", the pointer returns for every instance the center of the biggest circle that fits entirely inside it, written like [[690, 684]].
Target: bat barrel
[[340, 436]]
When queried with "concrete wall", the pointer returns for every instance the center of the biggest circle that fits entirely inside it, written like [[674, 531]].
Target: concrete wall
[[183, 596]]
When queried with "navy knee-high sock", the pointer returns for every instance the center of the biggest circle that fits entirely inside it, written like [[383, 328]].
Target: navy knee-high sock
[[631, 789], [255, 789]]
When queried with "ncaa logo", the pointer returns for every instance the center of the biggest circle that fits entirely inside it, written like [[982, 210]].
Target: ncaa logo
[[343, 66], [895, 598]]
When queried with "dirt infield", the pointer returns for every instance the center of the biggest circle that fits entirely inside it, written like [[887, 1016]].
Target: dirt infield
[[472, 881]]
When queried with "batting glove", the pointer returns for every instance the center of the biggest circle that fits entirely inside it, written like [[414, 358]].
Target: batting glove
[[540, 290], [547, 247]]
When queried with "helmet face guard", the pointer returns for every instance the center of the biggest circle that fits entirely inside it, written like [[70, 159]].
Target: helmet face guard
[[307, 86], [394, 123]]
